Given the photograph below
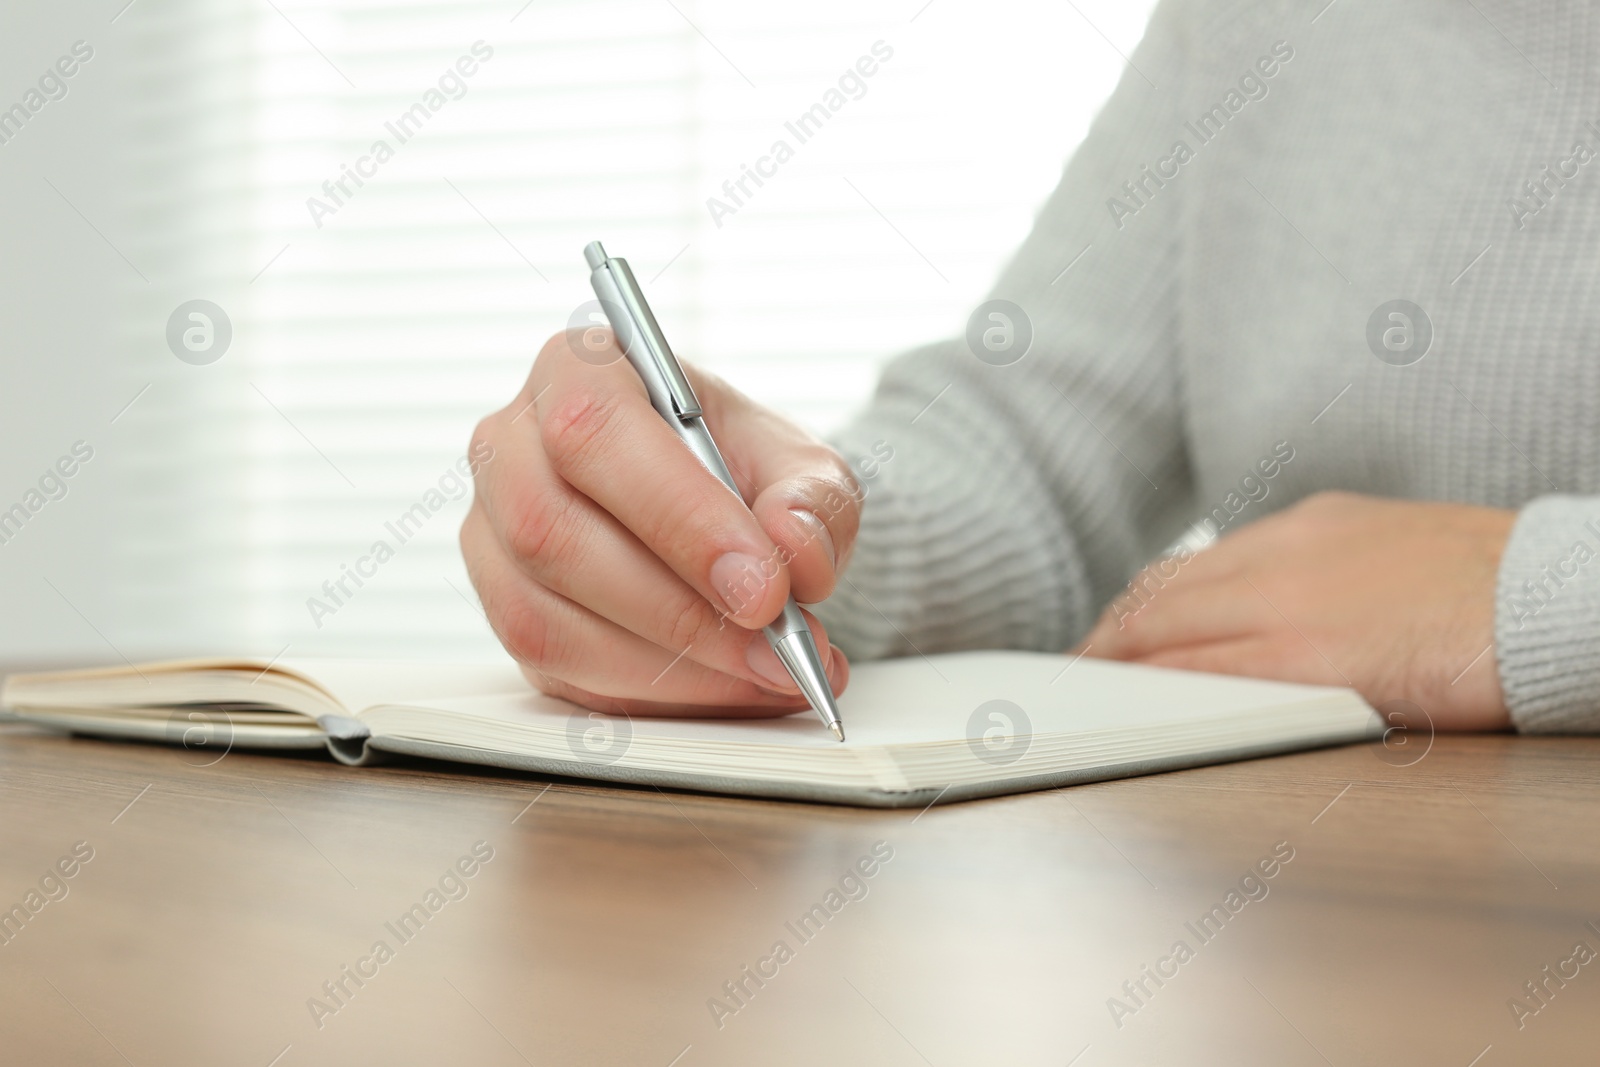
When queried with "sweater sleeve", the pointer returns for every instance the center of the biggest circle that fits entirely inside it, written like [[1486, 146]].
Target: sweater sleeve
[[1547, 616], [1008, 498]]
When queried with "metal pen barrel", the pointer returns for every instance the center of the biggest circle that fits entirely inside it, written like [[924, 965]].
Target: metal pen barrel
[[646, 349]]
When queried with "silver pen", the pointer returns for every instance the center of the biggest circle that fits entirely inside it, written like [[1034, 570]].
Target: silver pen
[[647, 351]]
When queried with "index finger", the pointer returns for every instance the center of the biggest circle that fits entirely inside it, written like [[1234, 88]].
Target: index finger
[[605, 440]]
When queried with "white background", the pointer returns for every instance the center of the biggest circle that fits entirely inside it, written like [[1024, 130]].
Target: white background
[[178, 167]]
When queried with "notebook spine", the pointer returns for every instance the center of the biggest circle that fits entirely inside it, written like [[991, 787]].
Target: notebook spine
[[347, 740]]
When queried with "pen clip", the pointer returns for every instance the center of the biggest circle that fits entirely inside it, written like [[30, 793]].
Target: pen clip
[[648, 334]]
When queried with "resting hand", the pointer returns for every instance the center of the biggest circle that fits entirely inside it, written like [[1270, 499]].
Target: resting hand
[[1395, 599]]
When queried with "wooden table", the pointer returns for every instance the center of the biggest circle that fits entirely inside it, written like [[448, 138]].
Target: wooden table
[[220, 898]]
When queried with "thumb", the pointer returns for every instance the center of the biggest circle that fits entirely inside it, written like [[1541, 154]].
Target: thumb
[[812, 516]]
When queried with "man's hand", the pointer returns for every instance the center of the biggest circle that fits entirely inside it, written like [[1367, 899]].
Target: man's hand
[[620, 572], [1394, 599]]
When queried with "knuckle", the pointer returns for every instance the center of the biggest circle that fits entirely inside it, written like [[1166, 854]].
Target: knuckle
[[531, 636], [579, 422], [541, 531], [679, 531], [689, 625]]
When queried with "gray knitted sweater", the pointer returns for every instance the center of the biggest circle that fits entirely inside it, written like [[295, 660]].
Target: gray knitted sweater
[[1211, 285]]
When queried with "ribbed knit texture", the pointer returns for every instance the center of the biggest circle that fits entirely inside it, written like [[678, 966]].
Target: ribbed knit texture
[[1229, 308]]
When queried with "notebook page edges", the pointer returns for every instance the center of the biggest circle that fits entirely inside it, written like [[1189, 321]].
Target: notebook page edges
[[306, 687], [233, 684], [914, 723], [207, 704]]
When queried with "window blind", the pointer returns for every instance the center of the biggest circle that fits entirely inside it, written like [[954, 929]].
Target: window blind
[[382, 299]]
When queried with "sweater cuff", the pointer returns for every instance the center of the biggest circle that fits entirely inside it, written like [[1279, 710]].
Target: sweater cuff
[[1547, 616]]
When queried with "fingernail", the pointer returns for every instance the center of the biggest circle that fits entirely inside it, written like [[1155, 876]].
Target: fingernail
[[768, 666], [819, 532], [740, 581]]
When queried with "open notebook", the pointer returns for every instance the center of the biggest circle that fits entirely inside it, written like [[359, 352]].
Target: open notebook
[[946, 727]]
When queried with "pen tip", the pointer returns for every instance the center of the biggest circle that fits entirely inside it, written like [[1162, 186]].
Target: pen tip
[[838, 730]]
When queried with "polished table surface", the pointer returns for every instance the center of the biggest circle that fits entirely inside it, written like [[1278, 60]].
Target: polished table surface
[[220, 898]]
